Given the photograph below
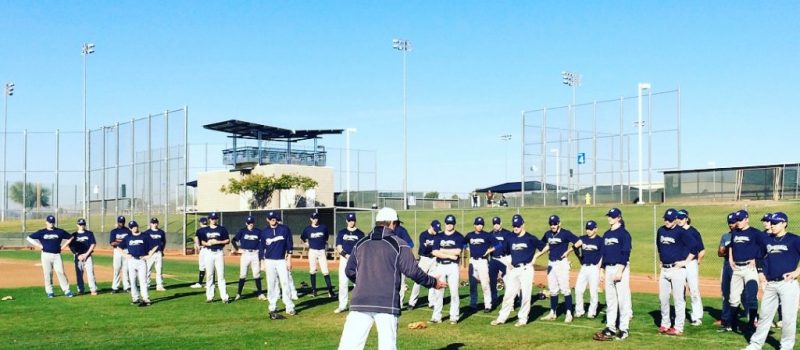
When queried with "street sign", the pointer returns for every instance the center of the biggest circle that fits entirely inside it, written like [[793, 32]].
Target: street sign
[[582, 158]]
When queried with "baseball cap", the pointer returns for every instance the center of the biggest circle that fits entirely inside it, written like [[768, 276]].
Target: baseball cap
[[120, 219], [385, 214], [731, 218], [133, 224], [436, 225], [517, 220], [614, 213], [591, 225], [554, 220], [766, 217], [51, 219], [213, 215], [250, 219], [741, 215], [496, 220], [350, 217], [81, 221], [314, 215], [779, 217], [154, 220], [273, 215], [203, 220], [670, 214], [450, 220], [478, 221], [682, 214]]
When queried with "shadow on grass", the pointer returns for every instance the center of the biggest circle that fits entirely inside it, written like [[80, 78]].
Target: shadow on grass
[[175, 296], [454, 346]]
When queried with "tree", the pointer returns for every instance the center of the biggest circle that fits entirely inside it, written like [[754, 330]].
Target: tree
[[431, 195], [455, 196], [15, 193], [262, 186]]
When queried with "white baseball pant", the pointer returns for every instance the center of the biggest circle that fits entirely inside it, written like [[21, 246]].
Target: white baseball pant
[[558, 277], [317, 257], [618, 298], [426, 264], [249, 259], [278, 273], [672, 280], [741, 276], [120, 263], [50, 262], [784, 294], [357, 327], [693, 282], [344, 283], [588, 275], [156, 260], [201, 259], [137, 271], [517, 280], [480, 270], [448, 272], [88, 267], [215, 261]]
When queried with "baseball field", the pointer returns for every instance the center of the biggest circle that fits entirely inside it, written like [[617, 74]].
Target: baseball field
[[180, 318]]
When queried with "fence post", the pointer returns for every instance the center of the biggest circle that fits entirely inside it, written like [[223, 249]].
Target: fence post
[[24, 179], [166, 190], [103, 191], [133, 169], [655, 244], [185, 170], [55, 191], [149, 166]]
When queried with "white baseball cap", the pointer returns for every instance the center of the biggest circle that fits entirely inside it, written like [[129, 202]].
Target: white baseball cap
[[386, 214]]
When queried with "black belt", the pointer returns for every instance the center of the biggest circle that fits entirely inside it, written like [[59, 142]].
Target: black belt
[[499, 256], [589, 264], [521, 264], [669, 266], [446, 262], [741, 263], [479, 258], [777, 279], [427, 256]]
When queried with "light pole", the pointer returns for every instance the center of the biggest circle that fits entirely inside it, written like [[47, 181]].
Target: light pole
[[506, 137], [404, 46], [347, 156], [86, 50], [573, 80], [640, 124], [558, 168], [9, 91]]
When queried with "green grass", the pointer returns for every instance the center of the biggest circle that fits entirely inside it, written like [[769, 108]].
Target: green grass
[[180, 319]]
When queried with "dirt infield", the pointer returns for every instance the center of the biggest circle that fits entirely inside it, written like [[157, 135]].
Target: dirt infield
[[28, 273]]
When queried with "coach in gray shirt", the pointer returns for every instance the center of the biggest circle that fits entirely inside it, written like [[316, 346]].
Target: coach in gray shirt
[[377, 262]]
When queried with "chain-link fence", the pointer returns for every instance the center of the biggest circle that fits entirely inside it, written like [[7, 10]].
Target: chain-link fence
[[775, 182]]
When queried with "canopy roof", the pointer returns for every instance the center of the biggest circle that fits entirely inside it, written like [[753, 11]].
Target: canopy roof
[[247, 130]]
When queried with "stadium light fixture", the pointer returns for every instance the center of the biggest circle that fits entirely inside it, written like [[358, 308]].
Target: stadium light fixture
[[86, 50], [573, 80], [404, 46], [9, 91], [640, 124]]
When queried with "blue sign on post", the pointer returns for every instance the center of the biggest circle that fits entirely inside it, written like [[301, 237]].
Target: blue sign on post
[[582, 158]]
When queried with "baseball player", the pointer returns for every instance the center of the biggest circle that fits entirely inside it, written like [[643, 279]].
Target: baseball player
[[590, 255], [523, 247], [558, 241], [48, 240], [727, 273], [278, 256], [480, 245], [616, 258], [119, 261], [447, 250], [201, 255], [346, 239], [158, 236], [500, 257], [674, 247], [765, 220], [315, 236], [780, 275], [214, 239], [139, 248], [426, 260], [693, 268], [248, 242], [292, 289], [745, 253], [82, 246]]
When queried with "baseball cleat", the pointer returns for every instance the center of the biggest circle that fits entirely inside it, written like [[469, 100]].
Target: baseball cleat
[[622, 335], [487, 311], [144, 303], [674, 332], [291, 312], [332, 295], [209, 301], [51, 295], [568, 318], [495, 323], [238, 297], [663, 330], [262, 297], [724, 329], [453, 320], [520, 324], [136, 302], [433, 320], [196, 285], [226, 301], [411, 306], [275, 316], [94, 292], [697, 323], [579, 314], [591, 316], [69, 294], [549, 317], [294, 296], [161, 289], [338, 310], [114, 291]]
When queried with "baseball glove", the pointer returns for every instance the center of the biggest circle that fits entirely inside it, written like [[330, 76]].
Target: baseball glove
[[418, 325], [600, 336]]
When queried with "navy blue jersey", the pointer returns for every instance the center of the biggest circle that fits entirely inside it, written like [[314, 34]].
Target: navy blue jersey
[[501, 247], [674, 244], [523, 247], [401, 232], [479, 243], [591, 249], [783, 255], [747, 244], [138, 245], [159, 237], [426, 244], [250, 240], [725, 241], [347, 239], [699, 246], [81, 241], [220, 233], [558, 242], [616, 247], [277, 242], [317, 237], [118, 234], [201, 233], [51, 239], [444, 241]]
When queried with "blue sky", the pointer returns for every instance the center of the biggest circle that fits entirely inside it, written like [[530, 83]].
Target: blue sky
[[473, 68]]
